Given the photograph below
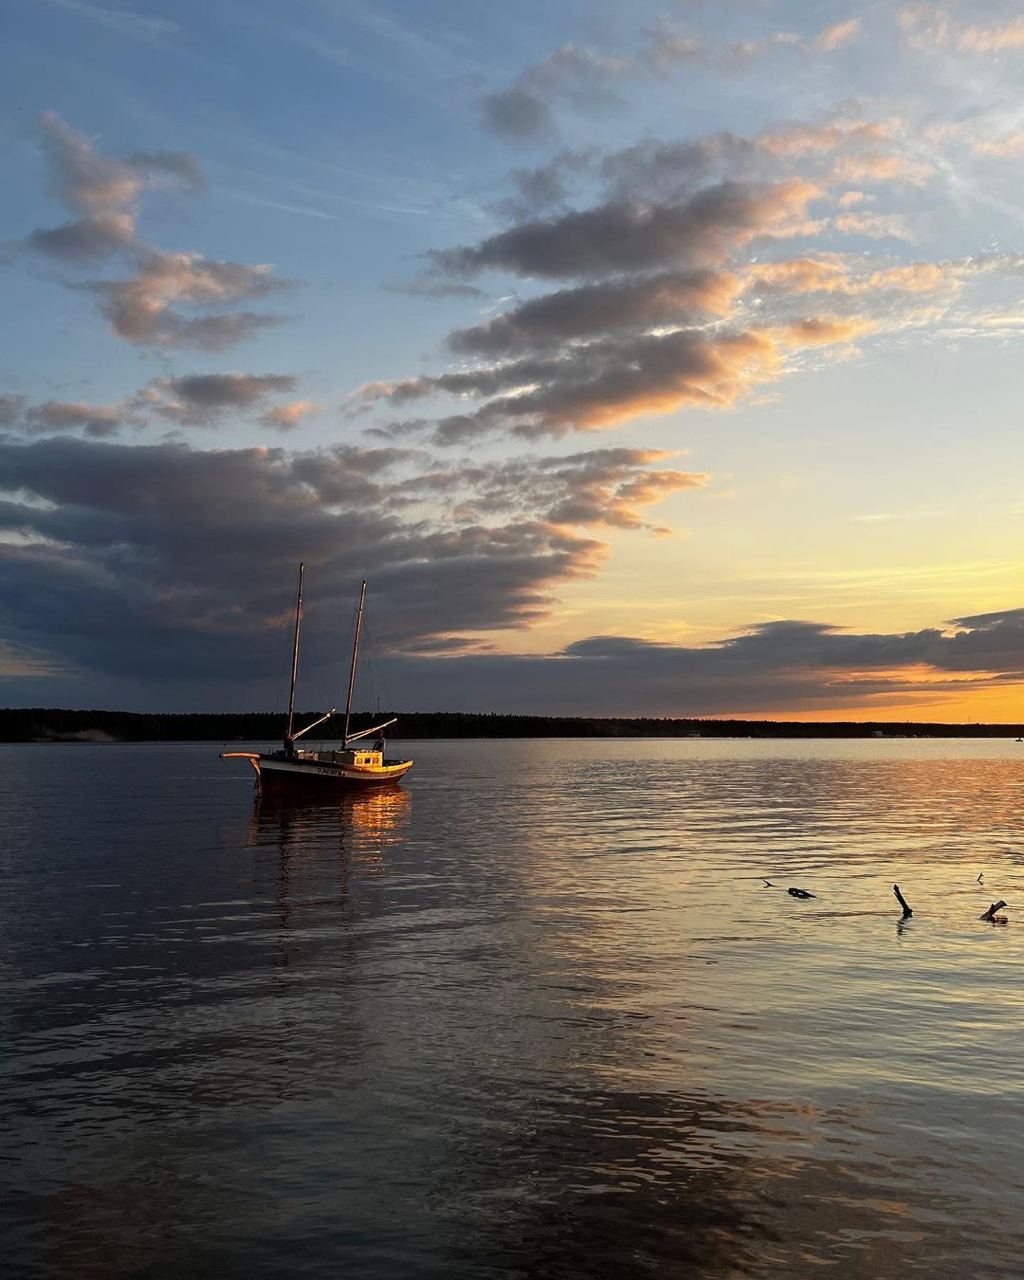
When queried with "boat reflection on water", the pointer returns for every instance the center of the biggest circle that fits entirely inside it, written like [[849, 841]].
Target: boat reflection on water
[[322, 847], [361, 827]]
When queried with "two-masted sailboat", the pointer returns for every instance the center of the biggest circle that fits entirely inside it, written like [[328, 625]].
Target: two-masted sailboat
[[291, 770]]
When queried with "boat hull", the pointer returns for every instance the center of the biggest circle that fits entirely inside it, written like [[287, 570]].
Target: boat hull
[[278, 777]]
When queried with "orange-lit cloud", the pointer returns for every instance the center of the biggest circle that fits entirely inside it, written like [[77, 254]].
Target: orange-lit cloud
[[285, 417], [840, 33], [932, 25], [141, 309], [995, 38]]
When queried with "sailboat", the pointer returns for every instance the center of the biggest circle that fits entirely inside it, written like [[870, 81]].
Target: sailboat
[[291, 771]]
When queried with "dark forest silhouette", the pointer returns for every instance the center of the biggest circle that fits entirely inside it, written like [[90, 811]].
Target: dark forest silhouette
[[45, 724]]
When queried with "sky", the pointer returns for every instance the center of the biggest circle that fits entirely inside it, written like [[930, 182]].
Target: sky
[[648, 359]]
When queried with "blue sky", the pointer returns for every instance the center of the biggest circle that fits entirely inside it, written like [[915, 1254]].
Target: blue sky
[[671, 325]]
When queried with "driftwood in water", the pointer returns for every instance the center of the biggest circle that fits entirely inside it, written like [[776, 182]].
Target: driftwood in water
[[907, 913], [799, 893], [990, 914]]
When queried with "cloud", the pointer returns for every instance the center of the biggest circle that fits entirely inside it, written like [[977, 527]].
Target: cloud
[[584, 78], [571, 74], [831, 38], [1011, 144], [609, 487], [192, 400], [681, 295], [623, 236], [601, 308], [145, 307], [285, 417], [516, 114], [544, 186], [201, 399], [932, 26], [60, 415], [86, 239], [995, 38], [104, 190], [131, 572], [139, 561], [789, 667], [842, 150], [140, 309], [601, 383]]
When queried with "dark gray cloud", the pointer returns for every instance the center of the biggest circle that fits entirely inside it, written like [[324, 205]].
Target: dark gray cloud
[[85, 239], [773, 669], [516, 114], [191, 400], [158, 559], [625, 236], [97, 420], [603, 307], [543, 187], [674, 169], [206, 393], [140, 584]]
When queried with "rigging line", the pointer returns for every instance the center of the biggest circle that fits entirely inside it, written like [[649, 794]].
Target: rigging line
[[353, 665], [381, 684], [315, 672], [379, 691], [284, 646]]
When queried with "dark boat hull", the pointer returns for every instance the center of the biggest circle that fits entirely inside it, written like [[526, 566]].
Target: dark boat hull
[[278, 777]]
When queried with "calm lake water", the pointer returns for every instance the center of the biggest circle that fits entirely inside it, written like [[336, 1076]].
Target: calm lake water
[[533, 1015]]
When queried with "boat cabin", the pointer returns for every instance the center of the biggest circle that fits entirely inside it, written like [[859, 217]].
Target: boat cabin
[[366, 758]]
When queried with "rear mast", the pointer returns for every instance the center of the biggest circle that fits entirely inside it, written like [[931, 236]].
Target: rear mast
[[355, 656], [288, 737]]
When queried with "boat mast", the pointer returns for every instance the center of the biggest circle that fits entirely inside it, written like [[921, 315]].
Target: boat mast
[[295, 660], [355, 655]]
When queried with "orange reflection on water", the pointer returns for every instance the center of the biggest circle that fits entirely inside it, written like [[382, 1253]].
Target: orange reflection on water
[[363, 825]]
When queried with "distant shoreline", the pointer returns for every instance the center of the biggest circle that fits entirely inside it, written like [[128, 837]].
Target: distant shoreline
[[53, 724]]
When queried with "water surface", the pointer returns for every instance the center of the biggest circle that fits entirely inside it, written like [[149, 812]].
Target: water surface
[[534, 1014]]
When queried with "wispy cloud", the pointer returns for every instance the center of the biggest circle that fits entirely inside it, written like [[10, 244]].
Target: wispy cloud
[[116, 18]]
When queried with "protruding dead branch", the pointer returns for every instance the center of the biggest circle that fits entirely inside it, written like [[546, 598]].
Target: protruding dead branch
[[907, 913]]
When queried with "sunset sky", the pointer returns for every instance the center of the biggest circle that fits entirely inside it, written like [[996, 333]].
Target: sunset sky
[[660, 358]]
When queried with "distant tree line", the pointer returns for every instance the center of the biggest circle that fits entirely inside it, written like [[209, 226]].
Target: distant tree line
[[50, 724]]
